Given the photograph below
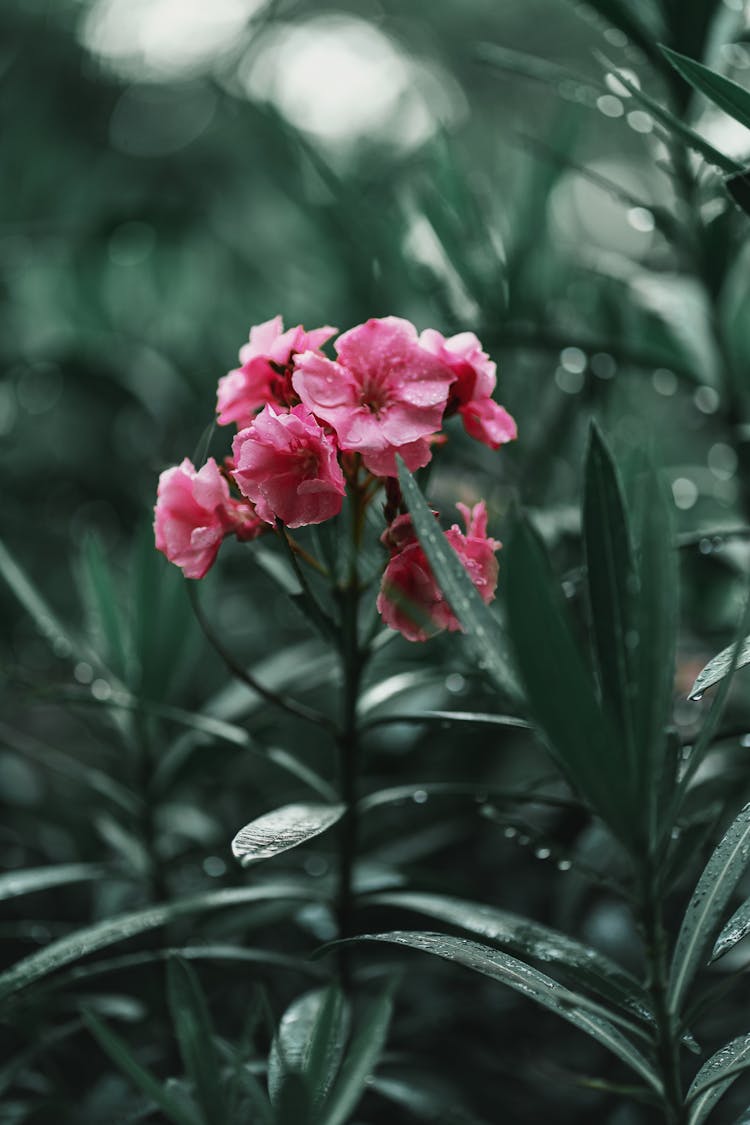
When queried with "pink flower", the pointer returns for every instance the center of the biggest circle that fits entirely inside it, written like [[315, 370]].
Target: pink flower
[[410, 599], [194, 512], [385, 395], [471, 393], [287, 465], [265, 370]]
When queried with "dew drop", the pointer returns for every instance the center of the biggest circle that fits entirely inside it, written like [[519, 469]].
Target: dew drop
[[419, 796], [510, 832], [83, 672], [542, 853], [564, 865]]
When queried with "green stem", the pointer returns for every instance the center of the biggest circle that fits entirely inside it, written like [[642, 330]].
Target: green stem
[[348, 747], [667, 1040], [353, 658]]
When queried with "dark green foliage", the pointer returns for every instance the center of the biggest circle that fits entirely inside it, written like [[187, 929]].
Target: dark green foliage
[[561, 180]]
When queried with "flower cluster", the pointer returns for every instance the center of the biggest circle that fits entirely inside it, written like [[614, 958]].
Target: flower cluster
[[308, 426]]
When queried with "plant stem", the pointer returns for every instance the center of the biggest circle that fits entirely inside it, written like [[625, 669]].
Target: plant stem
[[353, 658], [667, 1042]]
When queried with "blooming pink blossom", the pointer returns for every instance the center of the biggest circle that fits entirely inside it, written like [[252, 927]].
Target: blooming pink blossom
[[410, 599], [287, 465], [471, 393], [385, 395], [265, 370], [194, 512]]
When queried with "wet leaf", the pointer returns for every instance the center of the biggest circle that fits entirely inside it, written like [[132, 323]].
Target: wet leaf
[[715, 1077], [89, 940], [737, 928], [583, 1014], [591, 968], [40, 878], [559, 688], [673, 123], [613, 588], [360, 1060], [282, 829], [721, 875], [723, 92], [719, 667]]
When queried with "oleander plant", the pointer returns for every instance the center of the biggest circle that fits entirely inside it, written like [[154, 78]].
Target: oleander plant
[[375, 726]]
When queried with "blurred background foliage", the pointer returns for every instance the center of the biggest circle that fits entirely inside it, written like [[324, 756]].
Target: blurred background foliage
[[174, 171]]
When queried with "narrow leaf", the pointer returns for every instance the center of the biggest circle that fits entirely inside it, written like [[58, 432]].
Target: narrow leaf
[[720, 666], [612, 584], [102, 598], [361, 1057], [655, 629], [531, 983], [449, 719], [292, 1039], [326, 1045], [737, 928], [715, 1077], [195, 1036], [559, 687], [673, 123], [121, 1055], [484, 634], [591, 968], [41, 878], [723, 92], [721, 874], [92, 938], [282, 829]]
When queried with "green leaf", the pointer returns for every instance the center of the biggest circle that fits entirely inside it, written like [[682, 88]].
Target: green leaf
[[738, 188], [484, 634], [655, 632], [92, 938], [721, 875], [61, 640], [613, 585], [449, 719], [710, 725], [41, 878], [325, 1047], [292, 1040], [723, 92], [737, 928], [473, 789], [195, 1036], [361, 1057], [559, 688], [214, 952], [589, 967], [121, 1055], [550, 994], [101, 595], [673, 123], [282, 829], [720, 666], [715, 1077]]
